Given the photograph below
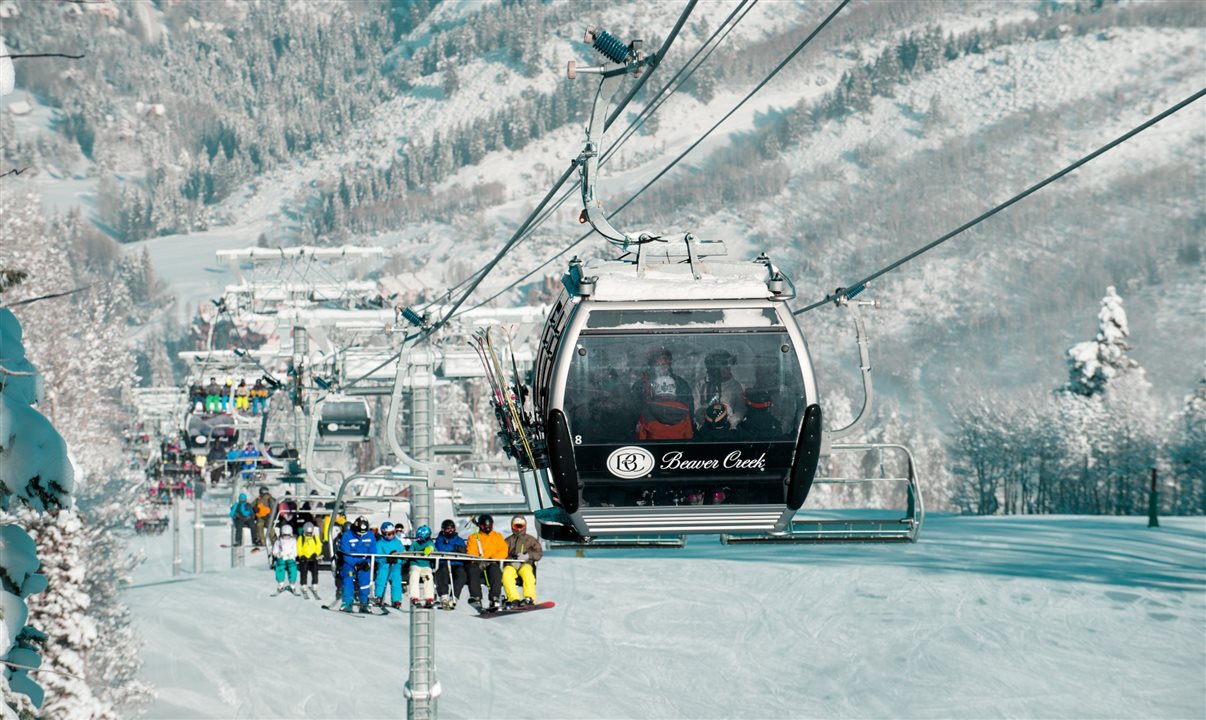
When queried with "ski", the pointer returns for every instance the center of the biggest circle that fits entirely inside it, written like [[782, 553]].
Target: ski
[[335, 609], [486, 614]]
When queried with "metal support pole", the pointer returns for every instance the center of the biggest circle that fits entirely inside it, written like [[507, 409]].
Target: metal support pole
[[198, 528], [175, 532], [421, 689], [236, 533], [1153, 503]]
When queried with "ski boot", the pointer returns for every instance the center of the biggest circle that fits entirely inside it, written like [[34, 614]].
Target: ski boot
[[345, 608], [429, 603], [447, 603], [397, 605], [475, 603], [364, 608], [526, 602]]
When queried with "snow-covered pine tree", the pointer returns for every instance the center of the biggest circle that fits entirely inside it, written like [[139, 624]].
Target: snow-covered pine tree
[[34, 474], [1094, 363]]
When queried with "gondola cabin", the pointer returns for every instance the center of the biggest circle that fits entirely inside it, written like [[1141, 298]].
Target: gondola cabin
[[343, 419], [674, 397]]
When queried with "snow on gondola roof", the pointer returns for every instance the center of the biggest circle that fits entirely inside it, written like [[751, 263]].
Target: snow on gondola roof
[[617, 281]]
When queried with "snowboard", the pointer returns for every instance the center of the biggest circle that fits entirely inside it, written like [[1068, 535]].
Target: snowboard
[[486, 614]]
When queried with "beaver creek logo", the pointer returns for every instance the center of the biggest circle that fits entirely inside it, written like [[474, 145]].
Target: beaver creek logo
[[630, 461]]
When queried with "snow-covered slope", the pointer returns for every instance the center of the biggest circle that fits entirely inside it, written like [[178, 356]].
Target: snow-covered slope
[[1066, 617]]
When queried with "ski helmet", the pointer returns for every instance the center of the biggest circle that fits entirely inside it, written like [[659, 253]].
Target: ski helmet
[[423, 533], [242, 497], [287, 530], [263, 489], [310, 529], [447, 525], [518, 522], [387, 527], [485, 520], [360, 526]]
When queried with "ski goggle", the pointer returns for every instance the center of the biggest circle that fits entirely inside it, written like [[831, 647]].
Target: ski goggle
[[518, 526], [388, 533], [450, 530]]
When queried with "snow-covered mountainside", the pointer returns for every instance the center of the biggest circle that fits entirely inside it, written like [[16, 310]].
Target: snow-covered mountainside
[[454, 118], [1068, 617]]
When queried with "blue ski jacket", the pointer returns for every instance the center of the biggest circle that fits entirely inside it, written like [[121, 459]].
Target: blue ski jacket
[[456, 544], [242, 509], [353, 545], [385, 547], [423, 546]]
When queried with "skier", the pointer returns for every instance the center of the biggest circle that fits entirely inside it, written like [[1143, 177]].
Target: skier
[[250, 456], [488, 545], [526, 550], [309, 549], [264, 532], [358, 546], [451, 573], [213, 396], [286, 512], [259, 396], [666, 401], [389, 569], [224, 394], [196, 396], [284, 560], [244, 517], [242, 396], [421, 580], [759, 423]]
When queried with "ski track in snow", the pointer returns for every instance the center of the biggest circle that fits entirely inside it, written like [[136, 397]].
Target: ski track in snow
[[983, 618]]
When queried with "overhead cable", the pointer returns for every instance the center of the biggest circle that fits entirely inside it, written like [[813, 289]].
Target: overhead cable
[[683, 154], [857, 287]]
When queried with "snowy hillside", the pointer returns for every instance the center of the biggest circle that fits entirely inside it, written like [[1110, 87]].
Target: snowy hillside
[[1067, 617]]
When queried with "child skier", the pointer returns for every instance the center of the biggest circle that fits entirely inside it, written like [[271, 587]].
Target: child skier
[[284, 555], [421, 580], [450, 577], [309, 550]]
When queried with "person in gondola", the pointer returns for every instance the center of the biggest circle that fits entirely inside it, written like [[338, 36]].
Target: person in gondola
[[759, 422], [716, 427], [666, 402], [719, 386]]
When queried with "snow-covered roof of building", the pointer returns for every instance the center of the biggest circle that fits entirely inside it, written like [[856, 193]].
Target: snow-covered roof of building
[[617, 281]]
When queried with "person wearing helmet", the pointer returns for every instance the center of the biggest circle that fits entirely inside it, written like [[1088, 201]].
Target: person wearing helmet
[[525, 550], [309, 550], [759, 422], [422, 590], [450, 575], [284, 559], [720, 387], [263, 504], [243, 516], [389, 569], [489, 545], [358, 545]]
